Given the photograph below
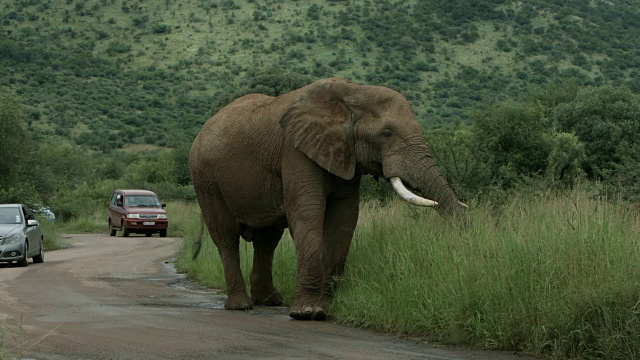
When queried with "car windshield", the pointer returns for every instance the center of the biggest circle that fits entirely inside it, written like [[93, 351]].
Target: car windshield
[[141, 200], [10, 215]]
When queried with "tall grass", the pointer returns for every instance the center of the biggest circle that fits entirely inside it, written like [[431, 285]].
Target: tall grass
[[557, 275], [52, 238], [554, 275]]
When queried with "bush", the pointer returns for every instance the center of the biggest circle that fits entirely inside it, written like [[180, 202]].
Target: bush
[[607, 121], [514, 138], [117, 47], [565, 159]]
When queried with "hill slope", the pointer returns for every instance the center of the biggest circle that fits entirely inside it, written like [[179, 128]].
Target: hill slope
[[107, 73]]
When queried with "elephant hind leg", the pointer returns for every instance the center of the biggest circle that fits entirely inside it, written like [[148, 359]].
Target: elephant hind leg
[[264, 241], [225, 232]]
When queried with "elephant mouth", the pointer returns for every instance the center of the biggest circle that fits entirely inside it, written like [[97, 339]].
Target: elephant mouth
[[373, 169]]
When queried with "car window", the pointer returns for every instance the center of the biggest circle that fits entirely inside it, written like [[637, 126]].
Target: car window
[[10, 215], [27, 213], [113, 198], [141, 200]]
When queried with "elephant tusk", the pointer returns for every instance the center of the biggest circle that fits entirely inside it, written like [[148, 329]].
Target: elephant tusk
[[407, 195], [463, 204]]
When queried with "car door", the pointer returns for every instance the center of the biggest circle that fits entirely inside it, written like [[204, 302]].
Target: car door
[[32, 232], [116, 210]]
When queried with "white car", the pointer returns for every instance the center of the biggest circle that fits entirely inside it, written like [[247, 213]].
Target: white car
[[21, 236]]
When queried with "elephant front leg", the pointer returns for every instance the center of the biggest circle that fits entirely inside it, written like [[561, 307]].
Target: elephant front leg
[[310, 302], [340, 222]]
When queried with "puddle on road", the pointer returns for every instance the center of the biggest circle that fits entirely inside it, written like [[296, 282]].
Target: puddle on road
[[188, 295]]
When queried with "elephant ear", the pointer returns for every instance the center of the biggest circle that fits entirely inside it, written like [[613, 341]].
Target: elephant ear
[[319, 123]]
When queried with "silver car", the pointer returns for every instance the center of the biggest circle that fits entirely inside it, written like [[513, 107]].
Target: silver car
[[21, 236]]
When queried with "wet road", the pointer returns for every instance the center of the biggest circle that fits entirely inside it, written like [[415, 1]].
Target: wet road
[[119, 298]]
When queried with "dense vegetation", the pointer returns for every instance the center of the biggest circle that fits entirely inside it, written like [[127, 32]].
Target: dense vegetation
[[89, 77], [108, 73], [517, 100]]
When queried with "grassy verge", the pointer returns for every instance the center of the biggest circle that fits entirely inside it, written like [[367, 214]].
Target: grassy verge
[[546, 276], [555, 276]]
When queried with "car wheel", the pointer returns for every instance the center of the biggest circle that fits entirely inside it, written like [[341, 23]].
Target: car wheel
[[163, 233], [112, 231], [125, 231], [25, 260], [39, 259]]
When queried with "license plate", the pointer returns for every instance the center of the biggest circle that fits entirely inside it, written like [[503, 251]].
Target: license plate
[[148, 223]]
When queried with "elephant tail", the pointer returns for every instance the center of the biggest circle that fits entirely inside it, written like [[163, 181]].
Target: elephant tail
[[198, 243]]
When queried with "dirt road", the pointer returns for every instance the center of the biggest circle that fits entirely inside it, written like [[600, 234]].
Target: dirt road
[[119, 298]]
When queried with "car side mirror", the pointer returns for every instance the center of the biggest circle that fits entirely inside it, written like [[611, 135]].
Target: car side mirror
[[119, 204], [32, 222], [163, 205]]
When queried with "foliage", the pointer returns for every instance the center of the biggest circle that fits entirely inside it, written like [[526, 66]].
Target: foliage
[[461, 162], [607, 121], [105, 81], [516, 138], [13, 136]]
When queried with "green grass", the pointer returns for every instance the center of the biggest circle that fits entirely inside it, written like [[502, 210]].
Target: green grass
[[52, 238], [549, 275]]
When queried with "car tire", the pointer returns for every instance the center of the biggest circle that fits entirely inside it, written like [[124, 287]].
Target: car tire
[[125, 231], [25, 259], [148, 234], [39, 259], [163, 233], [112, 231]]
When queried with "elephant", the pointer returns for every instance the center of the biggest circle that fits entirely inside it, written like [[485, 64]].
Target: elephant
[[262, 164]]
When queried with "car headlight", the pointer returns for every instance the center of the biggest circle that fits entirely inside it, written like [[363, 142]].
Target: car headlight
[[12, 239], [133, 216], [162, 216]]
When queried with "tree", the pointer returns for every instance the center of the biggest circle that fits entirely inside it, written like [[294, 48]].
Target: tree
[[515, 138], [13, 137], [607, 121]]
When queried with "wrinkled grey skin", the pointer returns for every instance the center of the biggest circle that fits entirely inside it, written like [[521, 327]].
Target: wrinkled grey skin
[[262, 164]]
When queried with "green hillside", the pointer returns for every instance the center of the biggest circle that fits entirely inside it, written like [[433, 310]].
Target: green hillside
[[109, 73]]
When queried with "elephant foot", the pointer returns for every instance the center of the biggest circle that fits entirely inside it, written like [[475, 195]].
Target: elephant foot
[[308, 310], [274, 299], [238, 302]]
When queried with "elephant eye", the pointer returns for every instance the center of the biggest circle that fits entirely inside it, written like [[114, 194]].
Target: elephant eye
[[386, 133]]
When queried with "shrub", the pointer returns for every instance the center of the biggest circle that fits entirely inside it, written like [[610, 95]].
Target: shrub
[[607, 121]]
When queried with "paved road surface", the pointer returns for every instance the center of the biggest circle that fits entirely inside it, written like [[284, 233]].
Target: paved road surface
[[119, 298]]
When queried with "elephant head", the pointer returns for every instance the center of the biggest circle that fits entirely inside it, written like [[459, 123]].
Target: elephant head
[[350, 129]]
